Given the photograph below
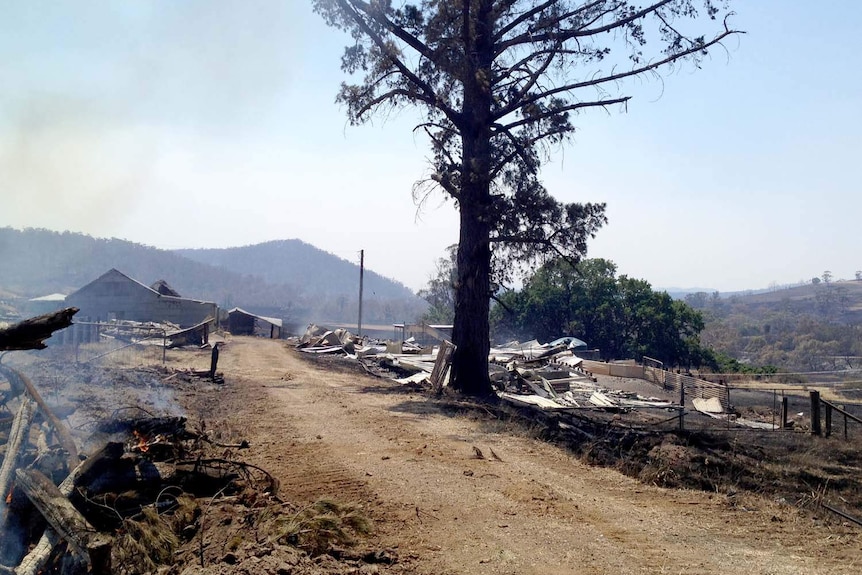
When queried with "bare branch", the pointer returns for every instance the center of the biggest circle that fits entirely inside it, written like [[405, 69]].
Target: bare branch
[[523, 18], [554, 111], [530, 38], [503, 305], [614, 77], [374, 102]]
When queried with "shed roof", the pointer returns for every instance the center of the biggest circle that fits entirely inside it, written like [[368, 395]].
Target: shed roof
[[51, 297], [274, 321]]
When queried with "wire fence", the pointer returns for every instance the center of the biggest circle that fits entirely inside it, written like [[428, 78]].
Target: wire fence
[[131, 345], [743, 403]]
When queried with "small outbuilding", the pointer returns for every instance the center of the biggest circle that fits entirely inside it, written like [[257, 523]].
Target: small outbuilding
[[241, 322], [45, 303]]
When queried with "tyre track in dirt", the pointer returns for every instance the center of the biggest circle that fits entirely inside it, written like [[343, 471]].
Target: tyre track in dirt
[[539, 510], [303, 464]]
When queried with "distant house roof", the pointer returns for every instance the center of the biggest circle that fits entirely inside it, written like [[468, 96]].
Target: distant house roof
[[51, 297], [163, 288], [114, 272], [274, 321]]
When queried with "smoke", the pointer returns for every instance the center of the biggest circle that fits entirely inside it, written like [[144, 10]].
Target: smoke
[[88, 117], [61, 160]]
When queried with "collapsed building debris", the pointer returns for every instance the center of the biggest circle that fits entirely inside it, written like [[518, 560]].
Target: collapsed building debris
[[530, 374], [711, 407]]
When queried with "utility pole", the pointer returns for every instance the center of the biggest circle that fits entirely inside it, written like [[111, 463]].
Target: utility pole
[[361, 277]]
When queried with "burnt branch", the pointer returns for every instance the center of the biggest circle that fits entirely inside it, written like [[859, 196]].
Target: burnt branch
[[32, 333]]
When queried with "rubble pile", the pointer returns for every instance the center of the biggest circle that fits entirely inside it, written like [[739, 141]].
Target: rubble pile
[[68, 506], [546, 376]]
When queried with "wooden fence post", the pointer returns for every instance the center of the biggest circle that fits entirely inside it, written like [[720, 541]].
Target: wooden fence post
[[784, 414], [828, 420], [681, 405], [815, 412]]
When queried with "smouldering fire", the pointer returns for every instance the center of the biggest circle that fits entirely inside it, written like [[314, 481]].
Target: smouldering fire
[[144, 443]]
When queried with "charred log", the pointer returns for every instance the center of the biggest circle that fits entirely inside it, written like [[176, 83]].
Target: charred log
[[66, 521], [18, 379], [17, 440], [32, 333], [36, 559]]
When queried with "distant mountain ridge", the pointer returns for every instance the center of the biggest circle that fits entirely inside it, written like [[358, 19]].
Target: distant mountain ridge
[[284, 278], [299, 264]]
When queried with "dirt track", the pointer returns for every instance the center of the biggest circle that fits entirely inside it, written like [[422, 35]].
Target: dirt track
[[536, 510]]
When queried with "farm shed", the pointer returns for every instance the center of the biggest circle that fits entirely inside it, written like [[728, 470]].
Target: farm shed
[[116, 296], [241, 322]]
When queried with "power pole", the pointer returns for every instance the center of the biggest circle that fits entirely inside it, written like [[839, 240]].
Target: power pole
[[361, 277]]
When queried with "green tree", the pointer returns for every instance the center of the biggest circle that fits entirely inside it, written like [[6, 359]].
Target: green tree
[[440, 291], [498, 83], [622, 316]]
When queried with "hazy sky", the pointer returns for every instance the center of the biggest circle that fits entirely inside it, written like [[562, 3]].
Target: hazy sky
[[213, 124]]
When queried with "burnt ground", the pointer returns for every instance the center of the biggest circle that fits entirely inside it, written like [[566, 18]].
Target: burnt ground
[[449, 486]]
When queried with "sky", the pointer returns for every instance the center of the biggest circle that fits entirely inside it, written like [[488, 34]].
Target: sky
[[214, 124]]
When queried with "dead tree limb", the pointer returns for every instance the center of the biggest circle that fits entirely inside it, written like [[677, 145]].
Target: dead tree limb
[[67, 521], [18, 379], [32, 333], [17, 440]]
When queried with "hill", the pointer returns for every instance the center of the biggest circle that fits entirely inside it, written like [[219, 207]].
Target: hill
[[839, 301], [810, 327], [307, 268], [36, 262]]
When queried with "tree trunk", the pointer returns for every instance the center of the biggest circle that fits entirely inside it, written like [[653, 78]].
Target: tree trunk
[[471, 329], [473, 288]]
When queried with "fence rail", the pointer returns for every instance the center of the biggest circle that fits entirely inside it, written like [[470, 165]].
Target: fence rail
[[687, 386]]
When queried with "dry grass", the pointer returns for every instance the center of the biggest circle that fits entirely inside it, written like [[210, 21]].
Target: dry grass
[[152, 539], [322, 525]]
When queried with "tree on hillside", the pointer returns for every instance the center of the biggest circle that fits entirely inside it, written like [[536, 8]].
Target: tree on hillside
[[498, 83]]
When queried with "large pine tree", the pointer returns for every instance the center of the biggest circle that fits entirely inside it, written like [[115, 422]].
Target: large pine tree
[[498, 82]]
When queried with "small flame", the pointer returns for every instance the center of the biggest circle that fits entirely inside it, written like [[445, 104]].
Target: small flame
[[9, 497], [142, 441]]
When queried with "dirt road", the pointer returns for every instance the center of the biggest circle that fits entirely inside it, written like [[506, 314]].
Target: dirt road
[[526, 507]]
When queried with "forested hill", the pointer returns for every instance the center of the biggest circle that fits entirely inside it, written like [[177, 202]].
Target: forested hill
[[36, 262], [810, 327], [310, 269]]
